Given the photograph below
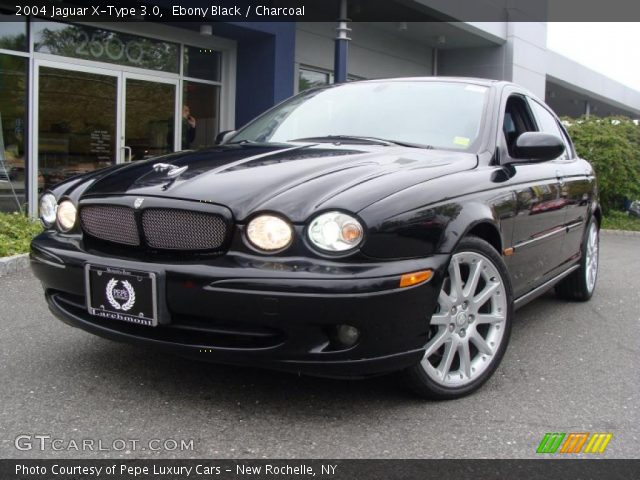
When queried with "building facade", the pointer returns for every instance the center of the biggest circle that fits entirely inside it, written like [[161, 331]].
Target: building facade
[[75, 97]]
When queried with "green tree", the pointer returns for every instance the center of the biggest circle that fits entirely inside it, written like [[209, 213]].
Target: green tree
[[612, 145]]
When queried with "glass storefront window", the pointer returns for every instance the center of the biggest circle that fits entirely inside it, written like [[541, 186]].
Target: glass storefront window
[[13, 121], [311, 78], [203, 63], [150, 118], [200, 110], [308, 78], [89, 43], [13, 32], [78, 105], [76, 124]]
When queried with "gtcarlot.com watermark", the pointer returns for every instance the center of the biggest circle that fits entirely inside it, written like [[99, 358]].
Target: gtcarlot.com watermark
[[45, 442]]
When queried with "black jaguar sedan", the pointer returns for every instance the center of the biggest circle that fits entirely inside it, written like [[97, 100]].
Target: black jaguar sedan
[[352, 230]]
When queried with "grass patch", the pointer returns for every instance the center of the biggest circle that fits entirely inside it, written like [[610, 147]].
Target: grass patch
[[16, 232], [615, 220]]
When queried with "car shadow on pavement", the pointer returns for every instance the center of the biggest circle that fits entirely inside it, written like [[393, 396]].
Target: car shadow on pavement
[[204, 382]]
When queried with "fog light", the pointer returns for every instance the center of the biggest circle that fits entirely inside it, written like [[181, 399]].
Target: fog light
[[347, 335]]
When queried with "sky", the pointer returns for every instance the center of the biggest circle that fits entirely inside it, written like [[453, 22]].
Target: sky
[[609, 48]]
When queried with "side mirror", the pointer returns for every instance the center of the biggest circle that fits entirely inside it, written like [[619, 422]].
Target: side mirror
[[537, 147], [224, 136]]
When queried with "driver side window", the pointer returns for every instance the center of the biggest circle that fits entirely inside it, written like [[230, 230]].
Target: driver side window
[[517, 120], [549, 124]]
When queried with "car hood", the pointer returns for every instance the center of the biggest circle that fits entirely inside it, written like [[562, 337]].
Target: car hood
[[294, 180]]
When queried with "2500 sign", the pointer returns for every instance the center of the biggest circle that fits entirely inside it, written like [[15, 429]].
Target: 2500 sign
[[114, 48], [91, 43]]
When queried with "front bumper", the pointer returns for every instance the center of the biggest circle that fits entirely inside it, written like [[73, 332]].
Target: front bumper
[[246, 310]]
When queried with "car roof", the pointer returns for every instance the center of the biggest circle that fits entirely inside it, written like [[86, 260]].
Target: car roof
[[480, 81]]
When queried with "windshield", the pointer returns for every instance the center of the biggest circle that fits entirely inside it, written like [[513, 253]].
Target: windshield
[[434, 114]]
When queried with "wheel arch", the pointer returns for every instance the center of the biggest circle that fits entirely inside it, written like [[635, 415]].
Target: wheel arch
[[475, 219], [488, 232], [597, 212], [435, 229]]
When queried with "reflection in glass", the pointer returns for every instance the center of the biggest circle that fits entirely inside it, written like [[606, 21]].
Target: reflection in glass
[[408, 111], [312, 78], [199, 115], [13, 120], [76, 124], [149, 118], [202, 63], [13, 32], [309, 78], [81, 41]]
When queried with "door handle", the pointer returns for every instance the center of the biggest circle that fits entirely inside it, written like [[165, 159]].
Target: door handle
[[560, 177], [129, 156]]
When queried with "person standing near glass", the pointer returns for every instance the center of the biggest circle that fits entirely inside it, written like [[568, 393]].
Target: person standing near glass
[[188, 127]]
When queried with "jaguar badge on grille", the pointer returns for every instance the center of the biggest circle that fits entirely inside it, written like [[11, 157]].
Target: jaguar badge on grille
[[138, 202], [172, 170]]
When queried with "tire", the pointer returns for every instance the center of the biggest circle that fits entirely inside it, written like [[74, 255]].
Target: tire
[[581, 284], [471, 326]]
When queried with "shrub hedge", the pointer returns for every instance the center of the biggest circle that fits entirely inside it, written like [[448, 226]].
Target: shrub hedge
[[612, 145], [16, 232]]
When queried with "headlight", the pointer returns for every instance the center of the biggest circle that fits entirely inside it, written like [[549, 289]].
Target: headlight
[[48, 205], [67, 214], [269, 233], [335, 232]]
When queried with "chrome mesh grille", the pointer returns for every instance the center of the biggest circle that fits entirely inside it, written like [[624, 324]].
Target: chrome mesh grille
[[112, 223], [173, 229]]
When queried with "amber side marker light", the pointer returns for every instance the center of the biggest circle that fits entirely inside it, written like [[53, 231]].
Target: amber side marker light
[[414, 278]]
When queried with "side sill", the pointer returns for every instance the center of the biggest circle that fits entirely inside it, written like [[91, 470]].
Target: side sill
[[536, 292]]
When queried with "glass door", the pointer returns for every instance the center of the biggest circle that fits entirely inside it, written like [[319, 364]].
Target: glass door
[[149, 106], [89, 118], [77, 122]]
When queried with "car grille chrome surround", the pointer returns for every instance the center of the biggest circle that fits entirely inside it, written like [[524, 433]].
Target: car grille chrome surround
[[158, 228], [173, 229], [111, 223]]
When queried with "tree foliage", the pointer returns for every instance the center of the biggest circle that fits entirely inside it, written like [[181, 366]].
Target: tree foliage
[[612, 145]]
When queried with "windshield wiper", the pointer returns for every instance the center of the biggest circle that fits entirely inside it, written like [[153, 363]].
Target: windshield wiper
[[360, 139]]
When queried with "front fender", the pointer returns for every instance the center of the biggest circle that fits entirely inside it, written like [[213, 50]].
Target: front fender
[[438, 228]]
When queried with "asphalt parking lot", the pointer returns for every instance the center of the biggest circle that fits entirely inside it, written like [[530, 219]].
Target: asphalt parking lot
[[570, 367]]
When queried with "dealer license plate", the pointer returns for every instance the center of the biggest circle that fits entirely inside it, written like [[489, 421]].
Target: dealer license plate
[[118, 294]]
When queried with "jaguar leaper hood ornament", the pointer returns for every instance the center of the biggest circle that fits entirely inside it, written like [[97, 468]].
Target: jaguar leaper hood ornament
[[172, 170]]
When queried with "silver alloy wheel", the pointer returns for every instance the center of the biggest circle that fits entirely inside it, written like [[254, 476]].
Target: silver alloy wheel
[[469, 324], [591, 270]]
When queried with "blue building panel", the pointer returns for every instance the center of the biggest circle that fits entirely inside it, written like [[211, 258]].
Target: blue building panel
[[265, 64]]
